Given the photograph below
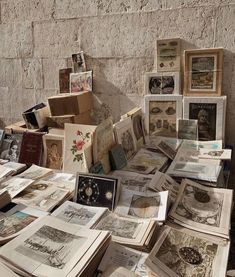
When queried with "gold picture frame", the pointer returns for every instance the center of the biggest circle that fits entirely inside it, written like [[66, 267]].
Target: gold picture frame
[[203, 69]]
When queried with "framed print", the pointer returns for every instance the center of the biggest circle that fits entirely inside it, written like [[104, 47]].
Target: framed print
[[203, 69], [210, 113], [168, 55], [81, 81], [53, 151], [188, 129], [162, 113], [162, 83]]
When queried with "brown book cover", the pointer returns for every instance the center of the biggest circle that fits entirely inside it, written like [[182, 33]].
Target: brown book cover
[[64, 75], [31, 148]]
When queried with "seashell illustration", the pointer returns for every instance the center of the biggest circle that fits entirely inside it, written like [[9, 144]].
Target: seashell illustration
[[170, 111]]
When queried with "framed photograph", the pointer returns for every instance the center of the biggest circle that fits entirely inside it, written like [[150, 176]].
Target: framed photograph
[[96, 190], [81, 81], [168, 55], [162, 83], [53, 151], [203, 69], [210, 113], [125, 136], [162, 113], [78, 61]]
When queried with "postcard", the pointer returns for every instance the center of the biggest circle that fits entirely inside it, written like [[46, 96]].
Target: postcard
[[78, 61], [188, 129], [197, 145], [125, 136], [81, 81], [64, 78], [143, 205], [182, 252], [154, 140], [203, 209], [162, 113], [162, 83], [168, 55], [103, 142], [132, 180], [35, 172], [77, 214]]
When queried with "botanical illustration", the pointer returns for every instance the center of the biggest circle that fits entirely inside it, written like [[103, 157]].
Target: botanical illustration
[[162, 118], [203, 73], [201, 206], [51, 246], [80, 216], [119, 227], [205, 113], [187, 255], [78, 144], [54, 153], [144, 206], [14, 223]]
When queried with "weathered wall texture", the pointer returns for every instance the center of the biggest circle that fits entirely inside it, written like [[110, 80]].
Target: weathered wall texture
[[37, 37]]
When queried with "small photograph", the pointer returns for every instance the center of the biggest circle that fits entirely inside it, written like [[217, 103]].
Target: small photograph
[[162, 83], [205, 113], [64, 77], [144, 206], [12, 148], [78, 61], [81, 81], [54, 150]]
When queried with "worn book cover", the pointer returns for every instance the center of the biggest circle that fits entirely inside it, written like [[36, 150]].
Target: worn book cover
[[31, 148], [64, 77]]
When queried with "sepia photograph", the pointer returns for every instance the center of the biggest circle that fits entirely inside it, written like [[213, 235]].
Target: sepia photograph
[[78, 62], [81, 81], [53, 149]]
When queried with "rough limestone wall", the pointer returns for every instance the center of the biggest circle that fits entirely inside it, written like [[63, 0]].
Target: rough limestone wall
[[37, 37]]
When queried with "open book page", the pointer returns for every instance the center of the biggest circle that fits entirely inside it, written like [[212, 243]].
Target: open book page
[[79, 214], [182, 252], [120, 256], [143, 205], [202, 208], [50, 247]]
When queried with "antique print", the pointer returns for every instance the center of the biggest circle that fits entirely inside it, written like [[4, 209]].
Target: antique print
[[15, 185], [188, 129], [64, 78], [81, 81], [206, 116], [125, 136], [35, 172], [96, 190], [55, 249], [168, 55], [223, 154], [137, 122], [182, 253], [203, 208], [154, 141], [14, 223], [203, 72], [78, 61], [165, 148], [103, 142], [53, 148], [162, 83]]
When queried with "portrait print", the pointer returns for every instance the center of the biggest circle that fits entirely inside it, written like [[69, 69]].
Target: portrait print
[[54, 153], [78, 61], [81, 81], [205, 113], [162, 118]]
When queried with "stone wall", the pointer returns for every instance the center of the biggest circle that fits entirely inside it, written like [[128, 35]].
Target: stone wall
[[38, 37]]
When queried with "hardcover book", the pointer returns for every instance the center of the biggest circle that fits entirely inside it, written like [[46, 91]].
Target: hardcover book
[[31, 148], [117, 157]]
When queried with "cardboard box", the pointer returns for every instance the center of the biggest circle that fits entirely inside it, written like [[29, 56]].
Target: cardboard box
[[60, 120], [70, 103], [18, 127], [35, 117]]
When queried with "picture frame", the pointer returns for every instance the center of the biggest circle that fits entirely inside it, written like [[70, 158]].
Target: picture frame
[[162, 113], [53, 146], [168, 55], [162, 83], [203, 70], [81, 81], [210, 113]]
